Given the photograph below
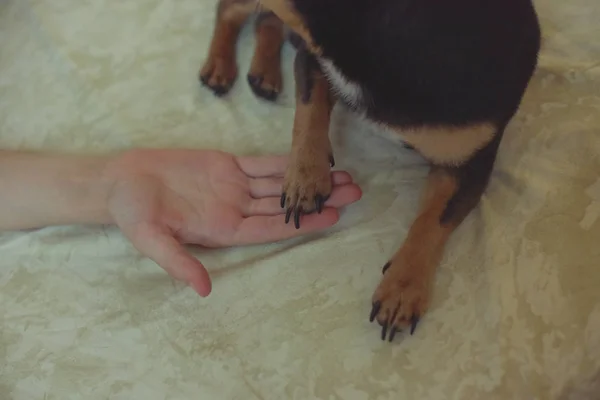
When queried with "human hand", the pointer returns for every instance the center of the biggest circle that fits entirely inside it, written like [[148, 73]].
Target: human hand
[[163, 199]]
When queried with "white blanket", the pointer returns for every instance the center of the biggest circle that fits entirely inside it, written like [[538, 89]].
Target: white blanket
[[515, 312]]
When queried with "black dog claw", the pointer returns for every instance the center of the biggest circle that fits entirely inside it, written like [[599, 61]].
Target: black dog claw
[[375, 310], [385, 267], [282, 202], [319, 200], [331, 161], [414, 321], [220, 90], [384, 330], [297, 217], [393, 333], [288, 214], [254, 80]]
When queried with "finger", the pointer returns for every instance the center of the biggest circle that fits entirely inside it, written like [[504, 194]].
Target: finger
[[263, 166], [169, 254], [267, 229], [264, 187], [341, 196]]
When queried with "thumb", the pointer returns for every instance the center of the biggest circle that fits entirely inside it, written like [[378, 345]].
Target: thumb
[[162, 248]]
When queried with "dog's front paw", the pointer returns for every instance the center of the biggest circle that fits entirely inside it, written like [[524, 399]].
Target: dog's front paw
[[219, 74], [307, 186], [401, 298]]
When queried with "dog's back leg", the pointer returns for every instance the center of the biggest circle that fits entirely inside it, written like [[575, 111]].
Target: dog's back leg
[[219, 71], [264, 76]]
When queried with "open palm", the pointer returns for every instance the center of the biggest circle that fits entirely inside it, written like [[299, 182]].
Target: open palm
[[162, 199]]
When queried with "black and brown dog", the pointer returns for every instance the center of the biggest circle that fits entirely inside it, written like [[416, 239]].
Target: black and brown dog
[[447, 76]]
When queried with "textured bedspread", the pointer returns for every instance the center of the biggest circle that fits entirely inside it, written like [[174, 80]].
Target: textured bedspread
[[516, 307]]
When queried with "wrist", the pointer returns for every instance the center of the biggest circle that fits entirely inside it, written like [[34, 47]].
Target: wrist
[[41, 190], [87, 186]]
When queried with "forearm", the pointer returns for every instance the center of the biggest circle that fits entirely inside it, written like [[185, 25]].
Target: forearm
[[40, 189]]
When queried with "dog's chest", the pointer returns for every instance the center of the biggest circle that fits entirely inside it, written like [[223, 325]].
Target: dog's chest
[[350, 92]]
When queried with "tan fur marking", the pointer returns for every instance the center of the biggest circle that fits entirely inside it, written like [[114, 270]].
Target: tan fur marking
[[406, 285], [284, 10], [448, 145], [237, 12], [311, 123], [308, 171], [427, 237], [220, 67], [266, 62]]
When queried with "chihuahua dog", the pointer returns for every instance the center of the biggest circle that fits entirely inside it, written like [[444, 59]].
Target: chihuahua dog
[[446, 76]]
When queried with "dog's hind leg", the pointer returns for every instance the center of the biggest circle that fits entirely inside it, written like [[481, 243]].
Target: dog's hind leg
[[307, 183], [264, 76], [451, 192], [219, 71]]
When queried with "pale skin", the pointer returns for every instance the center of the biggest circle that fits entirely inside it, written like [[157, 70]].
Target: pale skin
[[161, 200]]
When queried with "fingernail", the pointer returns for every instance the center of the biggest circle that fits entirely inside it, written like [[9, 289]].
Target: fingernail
[[200, 289]]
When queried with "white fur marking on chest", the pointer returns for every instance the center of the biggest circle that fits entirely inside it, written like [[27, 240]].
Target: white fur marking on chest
[[348, 90]]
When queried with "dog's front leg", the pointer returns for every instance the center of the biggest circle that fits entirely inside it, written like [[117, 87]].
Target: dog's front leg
[[451, 192], [307, 183]]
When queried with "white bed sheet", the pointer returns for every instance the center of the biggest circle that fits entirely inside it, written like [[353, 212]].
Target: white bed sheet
[[516, 310]]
